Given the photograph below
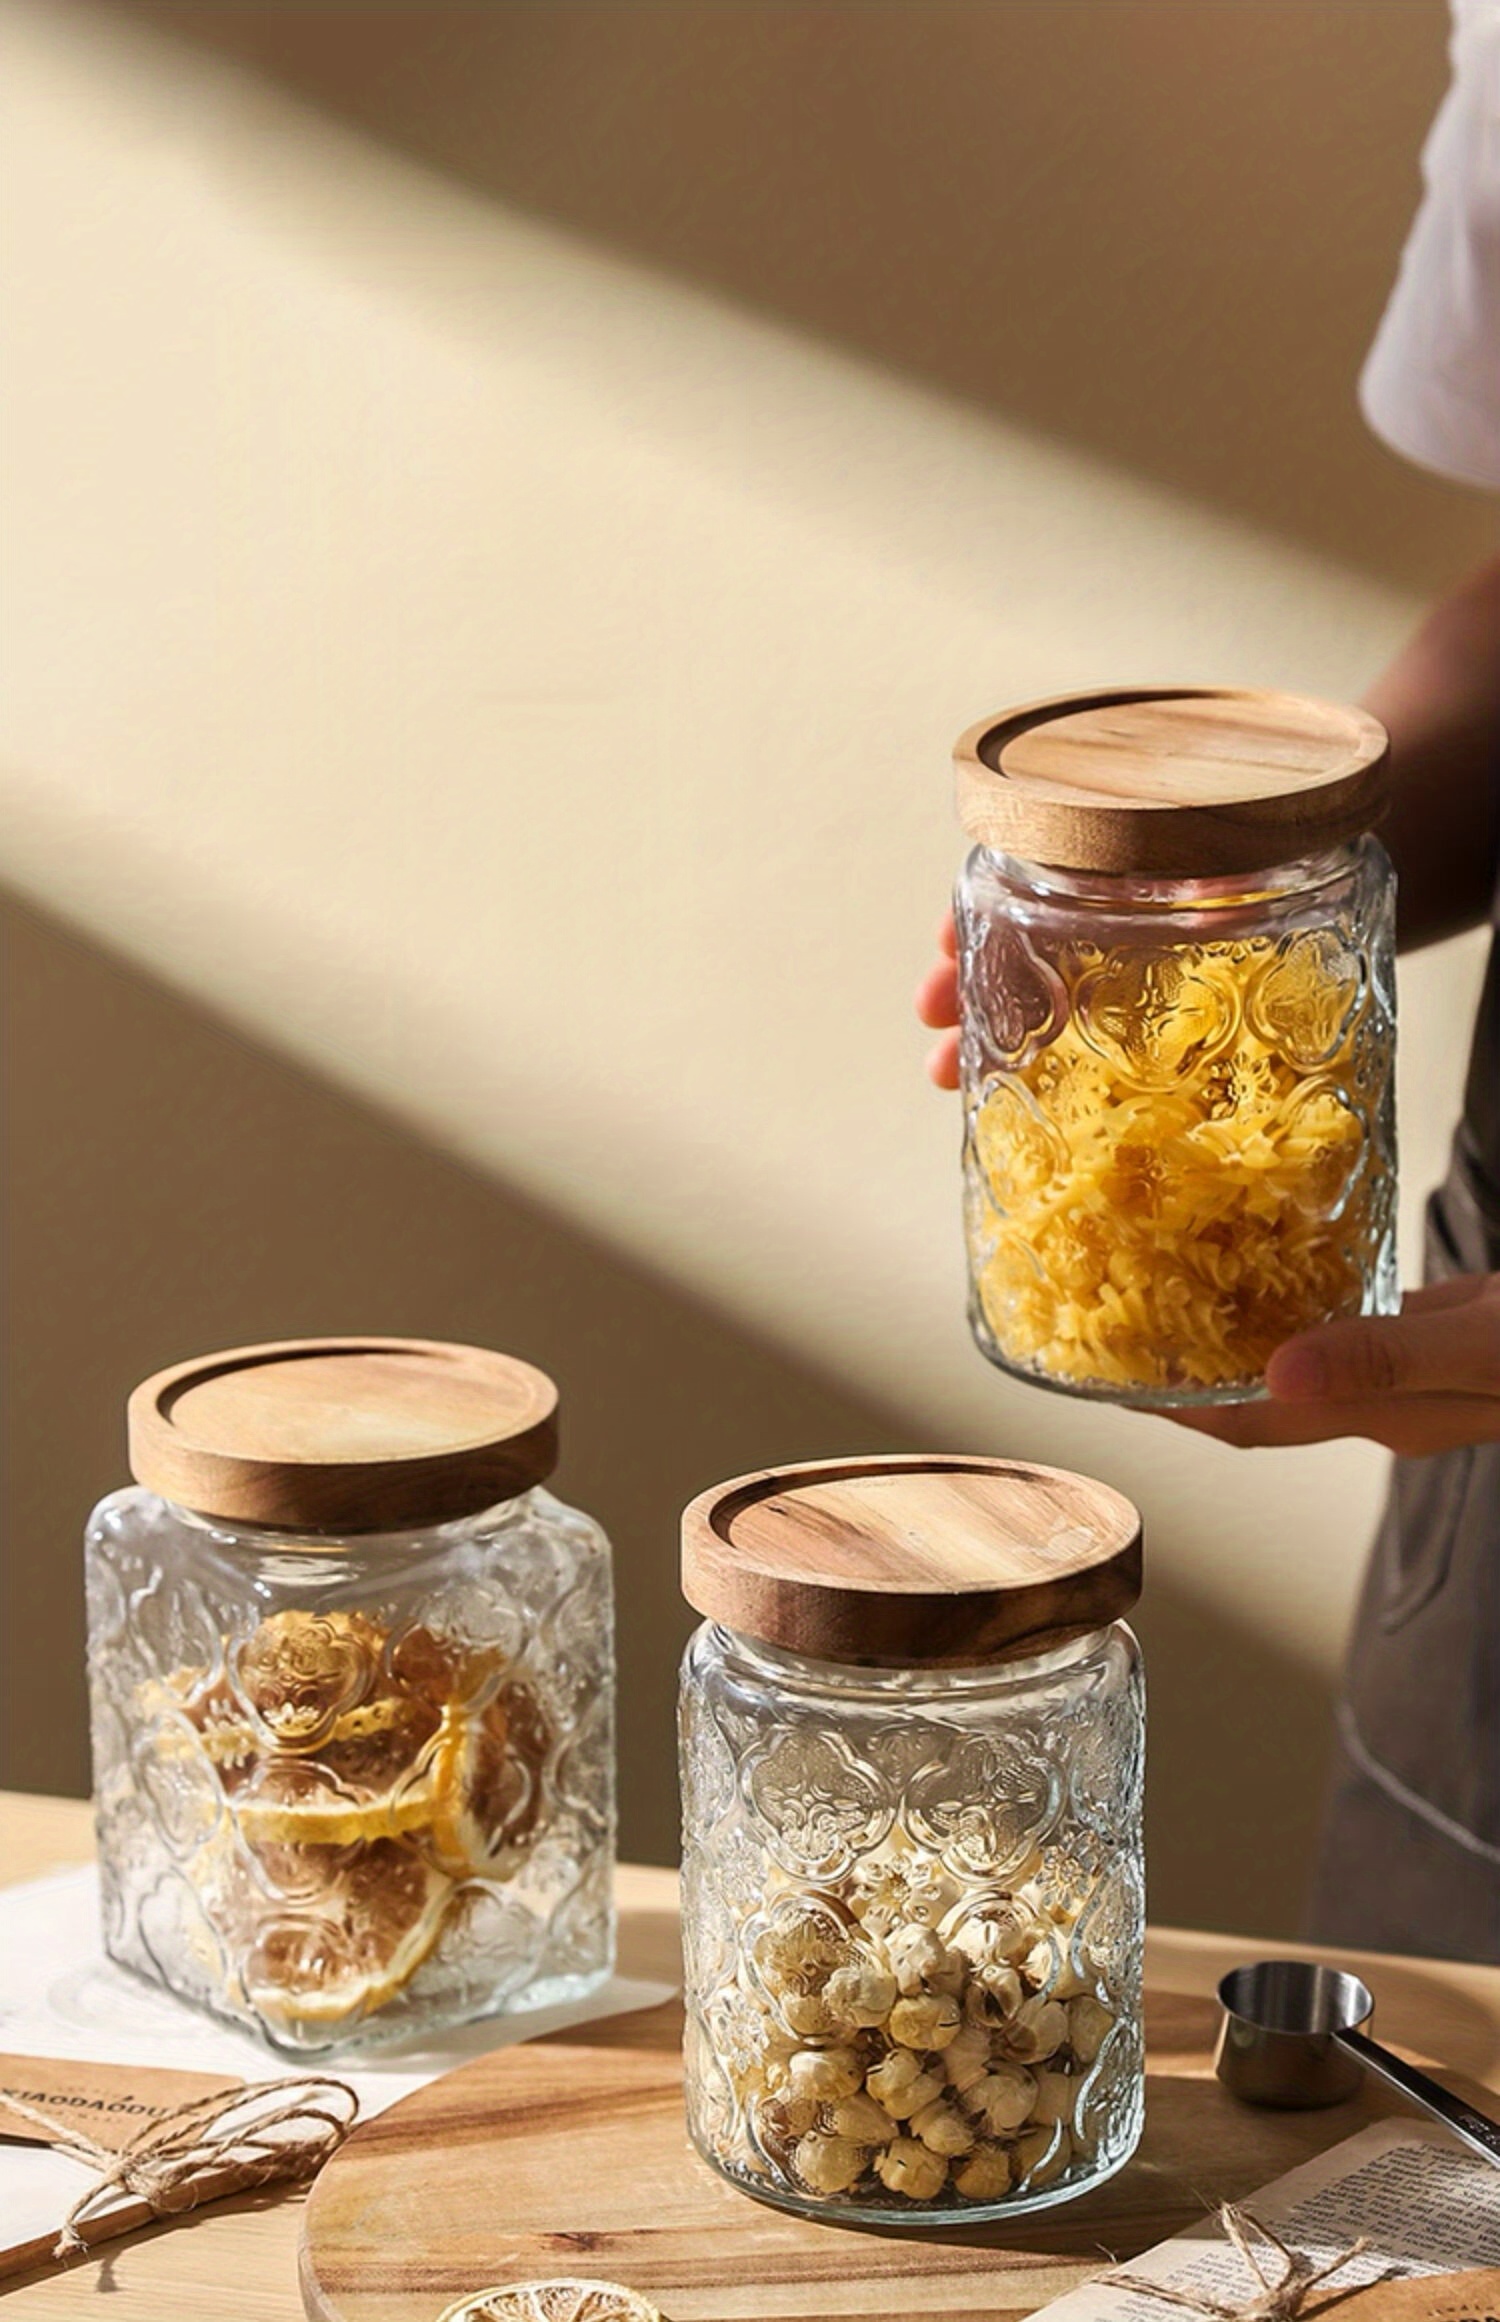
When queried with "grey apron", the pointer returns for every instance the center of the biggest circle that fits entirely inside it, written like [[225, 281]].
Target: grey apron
[[1410, 1852]]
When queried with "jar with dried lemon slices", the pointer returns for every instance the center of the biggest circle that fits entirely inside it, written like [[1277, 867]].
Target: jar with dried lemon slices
[[1176, 983], [912, 1885], [351, 1671]]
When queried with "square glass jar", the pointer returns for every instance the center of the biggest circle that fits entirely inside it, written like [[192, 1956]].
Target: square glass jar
[[1176, 950], [353, 1773]]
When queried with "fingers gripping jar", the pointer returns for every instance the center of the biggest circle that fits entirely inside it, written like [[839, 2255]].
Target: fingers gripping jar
[[912, 1733], [351, 1677], [1177, 997]]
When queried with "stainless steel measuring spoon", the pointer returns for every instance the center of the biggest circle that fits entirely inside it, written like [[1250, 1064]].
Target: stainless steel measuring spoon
[[1293, 2036]]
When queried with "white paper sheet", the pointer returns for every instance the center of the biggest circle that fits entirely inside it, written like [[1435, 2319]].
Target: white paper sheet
[[1426, 2205], [60, 1996]]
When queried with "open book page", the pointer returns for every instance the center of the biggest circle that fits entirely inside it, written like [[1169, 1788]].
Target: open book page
[[1424, 2203]]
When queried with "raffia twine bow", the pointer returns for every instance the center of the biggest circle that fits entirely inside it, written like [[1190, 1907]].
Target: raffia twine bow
[[1272, 2301], [268, 2132]]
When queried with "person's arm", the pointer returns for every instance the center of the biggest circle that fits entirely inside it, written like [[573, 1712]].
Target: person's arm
[[1440, 701]]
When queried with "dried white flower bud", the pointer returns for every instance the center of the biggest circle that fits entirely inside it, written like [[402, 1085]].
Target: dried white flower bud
[[1050, 1967], [921, 1961], [941, 2129], [1040, 2156], [929, 2021], [860, 2117], [1036, 2031], [809, 2015], [1003, 2099], [859, 1995], [899, 2083], [907, 2167], [993, 1994], [781, 2119], [1056, 2093], [829, 2164], [985, 2175], [824, 2073], [997, 1937], [1089, 2023], [967, 2056]]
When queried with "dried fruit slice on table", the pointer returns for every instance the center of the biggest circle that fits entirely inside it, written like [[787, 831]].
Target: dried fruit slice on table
[[563, 2300]]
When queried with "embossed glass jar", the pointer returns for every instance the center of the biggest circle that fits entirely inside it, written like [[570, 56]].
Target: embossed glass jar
[[1176, 977], [352, 1693], [912, 1732]]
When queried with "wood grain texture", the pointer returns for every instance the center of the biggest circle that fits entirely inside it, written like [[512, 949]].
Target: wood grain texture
[[344, 1434], [237, 2262], [570, 2156], [904, 1560], [1191, 782]]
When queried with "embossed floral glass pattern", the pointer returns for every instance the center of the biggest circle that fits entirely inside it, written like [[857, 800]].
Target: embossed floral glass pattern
[[913, 1919], [352, 1790], [1179, 1126]]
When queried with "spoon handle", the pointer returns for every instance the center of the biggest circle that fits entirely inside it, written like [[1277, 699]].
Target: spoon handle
[[1479, 2133]]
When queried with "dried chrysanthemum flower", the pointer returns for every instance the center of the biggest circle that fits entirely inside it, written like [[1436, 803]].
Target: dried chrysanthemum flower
[[985, 2175], [824, 2073], [1040, 2157], [1003, 2099], [967, 2056], [1089, 2025], [1056, 2094], [899, 1885], [921, 1961], [908, 2168], [992, 1994], [829, 2164], [1036, 2031], [859, 1995], [1051, 1967], [942, 2129], [929, 2021], [862, 2119], [902, 2084]]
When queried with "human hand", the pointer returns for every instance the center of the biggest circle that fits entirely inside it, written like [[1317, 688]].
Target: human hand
[[937, 1007], [1423, 1381]]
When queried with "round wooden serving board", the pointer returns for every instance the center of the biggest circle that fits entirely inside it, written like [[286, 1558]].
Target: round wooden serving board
[[568, 2155]]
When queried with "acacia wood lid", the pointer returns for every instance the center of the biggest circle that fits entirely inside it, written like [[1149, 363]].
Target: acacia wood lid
[[1175, 782], [344, 1434], [913, 1559]]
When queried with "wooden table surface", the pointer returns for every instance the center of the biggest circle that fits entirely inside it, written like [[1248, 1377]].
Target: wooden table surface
[[236, 2261]]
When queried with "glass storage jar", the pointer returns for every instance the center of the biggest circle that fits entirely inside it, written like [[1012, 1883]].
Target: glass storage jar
[[352, 1694], [1177, 996], [912, 1731]]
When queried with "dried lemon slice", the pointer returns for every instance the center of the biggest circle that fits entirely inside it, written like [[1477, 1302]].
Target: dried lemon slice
[[563, 2300], [382, 1916], [488, 1776]]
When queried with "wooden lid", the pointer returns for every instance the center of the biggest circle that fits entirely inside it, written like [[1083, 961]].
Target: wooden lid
[[909, 1560], [1192, 782], [344, 1434]]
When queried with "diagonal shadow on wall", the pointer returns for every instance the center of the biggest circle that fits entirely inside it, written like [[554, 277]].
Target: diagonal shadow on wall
[[171, 1188], [1160, 231]]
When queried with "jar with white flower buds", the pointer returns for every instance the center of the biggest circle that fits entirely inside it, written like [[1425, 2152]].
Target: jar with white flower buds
[[912, 1733]]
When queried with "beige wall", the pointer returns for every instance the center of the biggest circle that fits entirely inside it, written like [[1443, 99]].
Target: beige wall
[[479, 696]]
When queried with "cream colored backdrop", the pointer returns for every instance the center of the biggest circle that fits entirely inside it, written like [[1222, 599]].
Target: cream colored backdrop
[[505, 509]]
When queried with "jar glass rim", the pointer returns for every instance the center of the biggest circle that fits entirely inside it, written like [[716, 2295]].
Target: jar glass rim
[[917, 1680]]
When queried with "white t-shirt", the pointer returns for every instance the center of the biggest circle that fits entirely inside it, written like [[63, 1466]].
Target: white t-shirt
[[1431, 384]]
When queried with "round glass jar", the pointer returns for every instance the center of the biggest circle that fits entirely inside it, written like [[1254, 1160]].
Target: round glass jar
[[1176, 944], [351, 1673], [912, 1735]]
